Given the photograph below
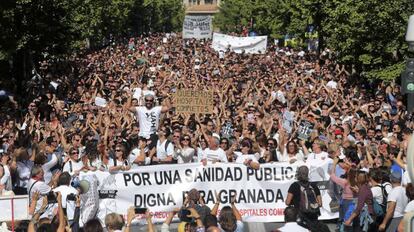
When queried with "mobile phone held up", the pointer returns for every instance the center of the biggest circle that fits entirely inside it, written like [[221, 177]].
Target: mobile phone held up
[[140, 210]]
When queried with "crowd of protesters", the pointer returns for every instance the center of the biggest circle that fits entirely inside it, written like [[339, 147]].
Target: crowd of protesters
[[114, 110]]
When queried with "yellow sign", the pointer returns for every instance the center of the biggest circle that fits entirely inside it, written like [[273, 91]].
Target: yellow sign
[[194, 101]]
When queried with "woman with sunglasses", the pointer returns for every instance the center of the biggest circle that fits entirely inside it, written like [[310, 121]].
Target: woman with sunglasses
[[120, 161], [183, 152], [74, 166], [245, 156]]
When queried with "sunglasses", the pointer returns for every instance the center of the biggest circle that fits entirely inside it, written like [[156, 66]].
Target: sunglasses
[[149, 100], [270, 144], [118, 150], [186, 139], [74, 153]]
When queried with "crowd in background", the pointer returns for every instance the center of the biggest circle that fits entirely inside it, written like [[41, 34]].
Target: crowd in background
[[114, 110]]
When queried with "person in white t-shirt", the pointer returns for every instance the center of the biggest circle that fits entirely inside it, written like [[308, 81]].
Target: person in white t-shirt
[[73, 166], [397, 201], [184, 152], [245, 157], [379, 190], [214, 153], [120, 161], [148, 117], [65, 190], [165, 148], [318, 154], [37, 184], [409, 191]]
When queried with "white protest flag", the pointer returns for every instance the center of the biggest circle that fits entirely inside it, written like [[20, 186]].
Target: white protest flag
[[252, 45], [198, 27], [260, 193]]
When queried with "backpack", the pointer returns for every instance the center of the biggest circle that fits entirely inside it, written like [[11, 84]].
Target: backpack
[[378, 209], [384, 196], [308, 203]]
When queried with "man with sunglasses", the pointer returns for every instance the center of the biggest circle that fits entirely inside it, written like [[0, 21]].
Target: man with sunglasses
[[148, 117]]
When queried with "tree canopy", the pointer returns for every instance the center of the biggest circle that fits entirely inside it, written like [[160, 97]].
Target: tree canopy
[[367, 35], [33, 30]]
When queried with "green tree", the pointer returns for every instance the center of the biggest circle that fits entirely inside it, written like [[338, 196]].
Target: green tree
[[268, 16], [369, 34]]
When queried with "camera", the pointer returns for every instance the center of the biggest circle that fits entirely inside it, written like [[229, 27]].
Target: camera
[[71, 197], [51, 198], [183, 215], [140, 210]]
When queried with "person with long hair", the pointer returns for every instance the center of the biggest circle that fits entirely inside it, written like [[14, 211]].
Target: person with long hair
[[183, 152], [362, 217], [230, 219], [346, 184], [120, 161], [245, 156], [291, 153]]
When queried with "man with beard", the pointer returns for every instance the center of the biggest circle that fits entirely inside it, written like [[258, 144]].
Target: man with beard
[[149, 117]]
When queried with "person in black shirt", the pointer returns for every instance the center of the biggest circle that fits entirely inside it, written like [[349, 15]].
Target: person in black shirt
[[295, 194]]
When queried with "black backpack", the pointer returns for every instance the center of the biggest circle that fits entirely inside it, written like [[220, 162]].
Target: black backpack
[[384, 196], [308, 202]]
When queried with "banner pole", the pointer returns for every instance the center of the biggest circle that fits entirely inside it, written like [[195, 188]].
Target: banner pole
[[12, 211]]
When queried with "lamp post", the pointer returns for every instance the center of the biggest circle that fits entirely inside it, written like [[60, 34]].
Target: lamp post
[[407, 76]]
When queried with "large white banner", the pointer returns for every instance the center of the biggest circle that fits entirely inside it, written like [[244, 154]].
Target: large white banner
[[199, 27], [255, 45], [260, 193]]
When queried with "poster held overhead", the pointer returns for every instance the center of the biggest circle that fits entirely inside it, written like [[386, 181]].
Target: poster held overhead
[[198, 27]]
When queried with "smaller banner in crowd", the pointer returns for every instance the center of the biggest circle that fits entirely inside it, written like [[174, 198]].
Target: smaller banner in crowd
[[198, 27], [305, 129], [14, 208], [260, 194], [254, 45], [194, 101]]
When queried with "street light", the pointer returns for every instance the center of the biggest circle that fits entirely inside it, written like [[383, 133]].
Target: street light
[[409, 218], [410, 33]]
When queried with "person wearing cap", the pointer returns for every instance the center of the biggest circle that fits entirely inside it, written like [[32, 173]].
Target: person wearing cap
[[148, 117], [397, 201]]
